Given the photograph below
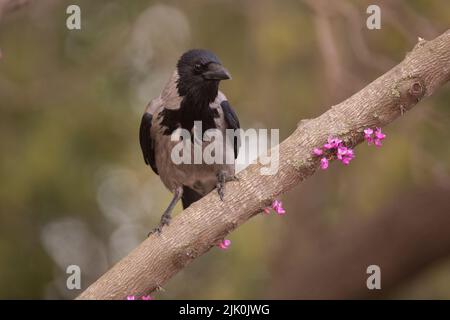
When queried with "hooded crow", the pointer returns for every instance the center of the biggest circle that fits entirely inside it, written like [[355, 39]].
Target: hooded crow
[[191, 94]]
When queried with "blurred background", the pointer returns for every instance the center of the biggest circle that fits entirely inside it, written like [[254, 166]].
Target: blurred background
[[75, 190]]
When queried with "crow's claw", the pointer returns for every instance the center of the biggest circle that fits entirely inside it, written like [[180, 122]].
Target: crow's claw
[[221, 190], [222, 178], [165, 220]]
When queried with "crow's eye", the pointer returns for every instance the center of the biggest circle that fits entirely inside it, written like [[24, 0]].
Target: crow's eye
[[198, 67]]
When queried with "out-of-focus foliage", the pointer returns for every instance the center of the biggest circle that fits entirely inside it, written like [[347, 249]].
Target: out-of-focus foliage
[[75, 190]]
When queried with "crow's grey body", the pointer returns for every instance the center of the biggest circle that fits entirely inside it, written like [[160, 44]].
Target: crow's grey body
[[191, 95], [202, 178]]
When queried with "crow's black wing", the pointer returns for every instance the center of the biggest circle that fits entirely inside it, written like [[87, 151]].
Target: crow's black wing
[[232, 122], [146, 141]]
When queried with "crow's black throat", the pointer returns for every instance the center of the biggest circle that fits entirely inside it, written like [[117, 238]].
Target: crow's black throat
[[193, 107]]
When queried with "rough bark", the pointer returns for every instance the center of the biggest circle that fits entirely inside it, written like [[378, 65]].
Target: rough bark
[[206, 222]]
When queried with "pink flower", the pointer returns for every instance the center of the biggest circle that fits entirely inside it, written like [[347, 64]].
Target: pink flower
[[368, 132], [324, 163], [278, 207], [346, 161], [276, 203], [337, 142], [345, 155], [131, 298], [374, 137], [317, 151], [377, 142], [368, 136], [341, 151], [332, 143], [225, 244], [379, 136], [147, 297], [334, 146]]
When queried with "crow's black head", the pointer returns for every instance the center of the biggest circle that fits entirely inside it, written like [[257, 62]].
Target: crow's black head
[[200, 72]]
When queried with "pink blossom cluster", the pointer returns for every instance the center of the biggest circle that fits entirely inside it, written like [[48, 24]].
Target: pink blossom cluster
[[224, 244], [374, 136], [143, 298], [276, 206], [334, 146]]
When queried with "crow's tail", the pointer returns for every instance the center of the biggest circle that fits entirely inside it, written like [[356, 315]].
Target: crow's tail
[[189, 197]]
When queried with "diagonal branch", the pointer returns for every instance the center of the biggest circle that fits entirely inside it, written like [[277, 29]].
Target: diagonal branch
[[206, 222]]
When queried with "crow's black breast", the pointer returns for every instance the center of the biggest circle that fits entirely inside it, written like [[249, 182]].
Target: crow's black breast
[[185, 116]]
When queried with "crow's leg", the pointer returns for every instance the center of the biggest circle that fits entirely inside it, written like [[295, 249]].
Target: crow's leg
[[222, 178], [165, 218]]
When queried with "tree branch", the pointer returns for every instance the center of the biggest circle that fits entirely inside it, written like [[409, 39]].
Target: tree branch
[[206, 222]]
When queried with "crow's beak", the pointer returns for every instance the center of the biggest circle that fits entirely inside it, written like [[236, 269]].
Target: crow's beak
[[216, 72]]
